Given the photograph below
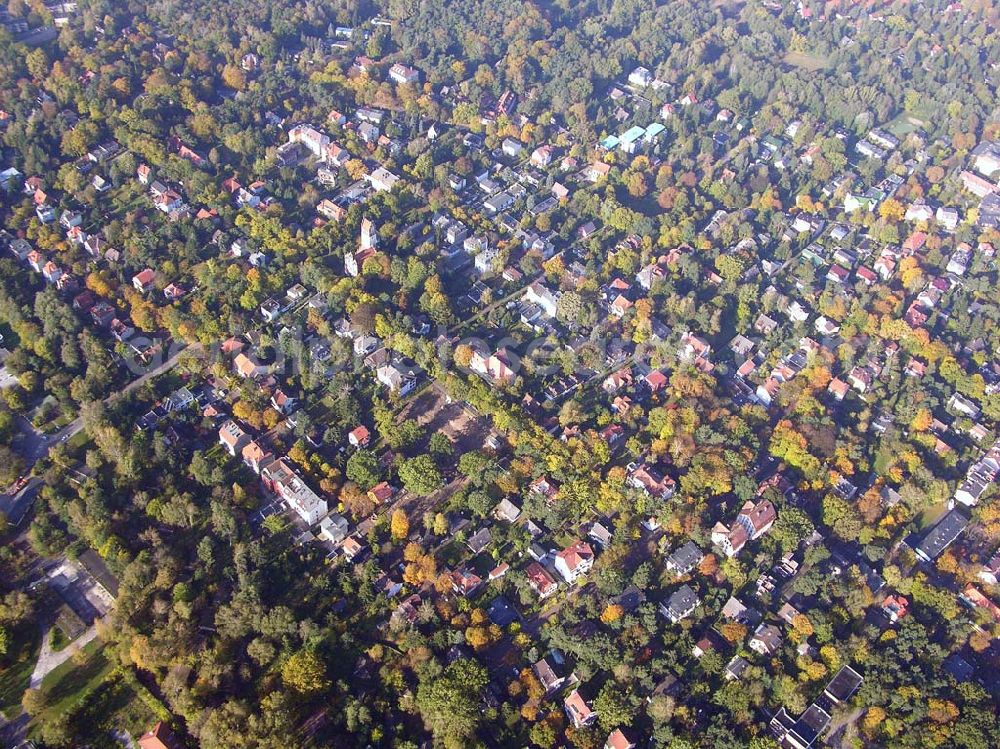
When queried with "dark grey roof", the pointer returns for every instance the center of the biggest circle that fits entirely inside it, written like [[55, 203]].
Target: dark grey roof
[[682, 600], [843, 685], [946, 530], [685, 558], [811, 725]]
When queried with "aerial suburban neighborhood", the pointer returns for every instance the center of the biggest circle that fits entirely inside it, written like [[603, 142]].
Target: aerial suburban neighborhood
[[500, 374]]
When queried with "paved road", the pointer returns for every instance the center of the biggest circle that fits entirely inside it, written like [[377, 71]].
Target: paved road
[[12, 733]]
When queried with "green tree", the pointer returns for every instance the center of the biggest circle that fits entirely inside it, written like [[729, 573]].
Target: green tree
[[451, 703], [420, 476], [364, 469], [304, 672]]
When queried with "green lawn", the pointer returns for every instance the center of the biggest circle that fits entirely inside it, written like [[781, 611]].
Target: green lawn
[[67, 685], [16, 674], [907, 122], [806, 61], [100, 697]]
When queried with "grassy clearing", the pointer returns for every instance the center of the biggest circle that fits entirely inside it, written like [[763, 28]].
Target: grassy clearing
[[100, 697], [15, 674], [71, 682], [907, 122], [806, 61]]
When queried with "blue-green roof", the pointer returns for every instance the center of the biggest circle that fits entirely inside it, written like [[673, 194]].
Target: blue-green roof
[[633, 134], [655, 129], [610, 143]]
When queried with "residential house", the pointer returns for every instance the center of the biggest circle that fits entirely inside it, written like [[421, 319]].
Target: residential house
[[736, 668], [838, 388], [574, 561], [684, 559], [860, 379], [511, 147], [765, 325], [382, 180], [538, 294], [20, 249], [681, 604], [579, 712], [648, 479], [547, 676], [540, 580], [507, 510], [160, 737], [895, 607], [618, 740], [542, 156], [977, 185], [245, 366], [765, 640], [381, 493], [479, 541], [313, 139], [596, 171], [143, 280], [497, 367], [279, 478], [232, 437], [753, 521], [354, 261], [282, 402], [51, 272], [359, 437], [255, 457], [397, 379], [465, 582], [334, 528], [352, 548], [803, 732], [403, 74]]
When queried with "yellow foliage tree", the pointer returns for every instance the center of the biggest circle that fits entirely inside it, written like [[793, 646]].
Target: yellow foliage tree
[[399, 524], [612, 613]]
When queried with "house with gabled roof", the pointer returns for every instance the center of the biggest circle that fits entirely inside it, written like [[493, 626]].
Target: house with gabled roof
[[255, 457], [618, 740], [160, 737], [574, 561], [246, 367], [540, 580], [548, 676], [507, 510], [579, 712]]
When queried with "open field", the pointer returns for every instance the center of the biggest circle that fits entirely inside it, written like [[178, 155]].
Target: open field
[[432, 411], [806, 61]]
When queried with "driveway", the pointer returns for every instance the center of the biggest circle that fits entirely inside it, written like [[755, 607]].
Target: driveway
[[49, 659]]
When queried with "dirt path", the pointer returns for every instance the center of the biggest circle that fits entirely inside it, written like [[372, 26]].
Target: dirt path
[[49, 659]]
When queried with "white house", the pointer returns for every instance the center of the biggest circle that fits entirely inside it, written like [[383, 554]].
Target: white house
[[574, 561]]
